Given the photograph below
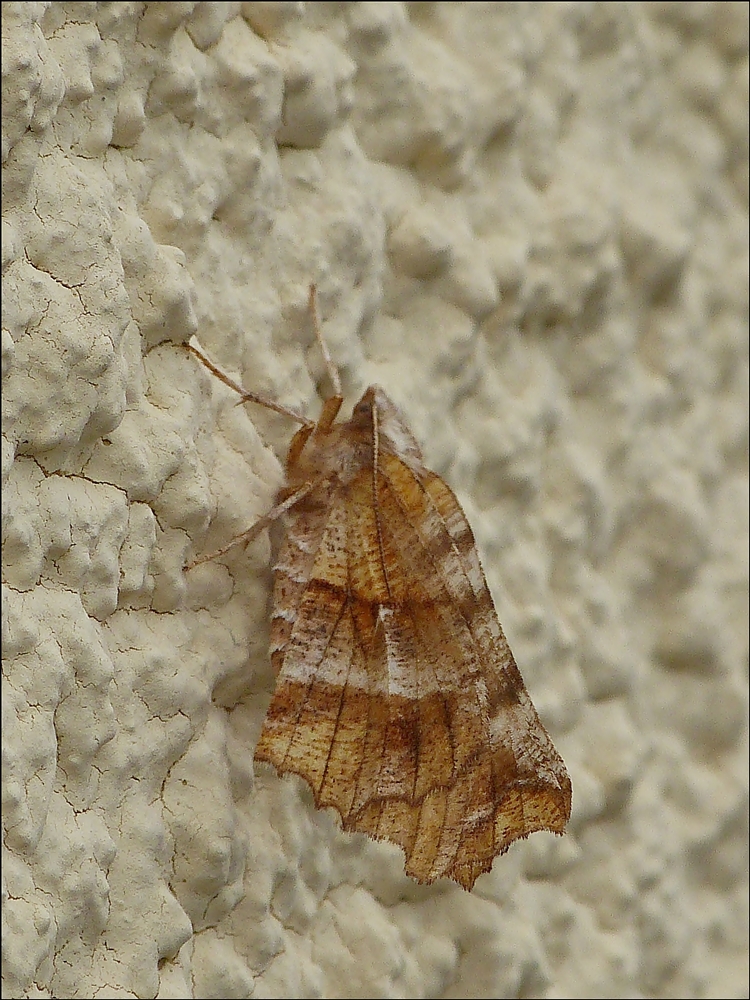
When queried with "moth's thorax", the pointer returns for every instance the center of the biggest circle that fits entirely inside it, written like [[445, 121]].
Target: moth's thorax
[[344, 449]]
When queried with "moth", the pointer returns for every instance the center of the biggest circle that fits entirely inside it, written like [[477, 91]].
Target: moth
[[397, 697]]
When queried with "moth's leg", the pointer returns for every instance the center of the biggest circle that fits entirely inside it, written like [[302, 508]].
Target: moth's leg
[[252, 532], [247, 397], [329, 413]]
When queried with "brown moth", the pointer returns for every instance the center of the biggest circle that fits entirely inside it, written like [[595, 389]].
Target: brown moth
[[397, 696]]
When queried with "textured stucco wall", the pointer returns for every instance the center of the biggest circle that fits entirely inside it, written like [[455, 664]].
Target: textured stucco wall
[[526, 221]]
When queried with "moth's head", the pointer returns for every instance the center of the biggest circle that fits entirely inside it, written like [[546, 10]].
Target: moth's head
[[342, 449], [375, 411]]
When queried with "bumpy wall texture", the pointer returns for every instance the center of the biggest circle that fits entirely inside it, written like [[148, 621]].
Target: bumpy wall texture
[[526, 221]]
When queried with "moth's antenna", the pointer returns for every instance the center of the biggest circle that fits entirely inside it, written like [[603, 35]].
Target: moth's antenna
[[333, 372]]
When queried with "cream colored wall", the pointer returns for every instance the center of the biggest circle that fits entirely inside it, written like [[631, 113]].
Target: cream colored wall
[[527, 222]]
